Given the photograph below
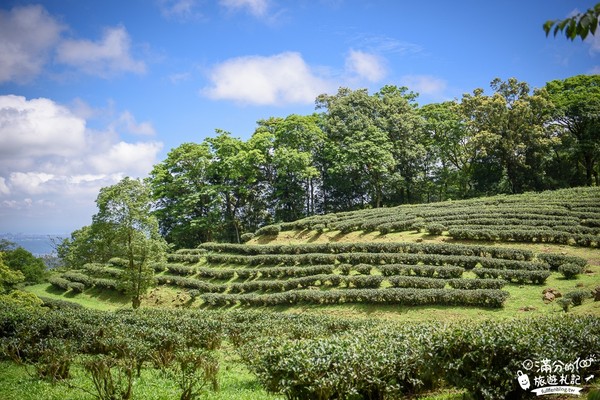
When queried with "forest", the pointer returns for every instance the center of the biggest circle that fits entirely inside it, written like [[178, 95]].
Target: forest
[[362, 150]]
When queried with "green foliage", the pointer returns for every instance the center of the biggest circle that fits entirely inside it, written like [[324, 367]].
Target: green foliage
[[435, 229], [247, 237], [570, 270], [124, 212], [564, 303], [32, 268], [295, 355], [193, 370], [269, 230], [519, 276], [578, 296], [580, 25], [8, 277], [490, 298], [375, 151], [385, 361]]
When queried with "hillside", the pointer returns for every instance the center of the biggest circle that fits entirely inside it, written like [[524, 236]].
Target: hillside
[[404, 262], [306, 311]]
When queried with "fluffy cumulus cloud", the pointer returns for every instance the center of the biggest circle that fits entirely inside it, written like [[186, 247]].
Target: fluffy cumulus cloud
[[27, 36], [51, 163], [280, 79], [105, 57], [366, 65]]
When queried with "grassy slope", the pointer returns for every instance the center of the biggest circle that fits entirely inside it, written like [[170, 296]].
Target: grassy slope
[[524, 300], [521, 296]]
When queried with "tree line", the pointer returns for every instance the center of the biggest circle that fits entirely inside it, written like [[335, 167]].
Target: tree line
[[359, 150], [362, 150]]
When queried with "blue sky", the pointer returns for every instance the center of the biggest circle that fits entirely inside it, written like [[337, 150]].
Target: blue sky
[[92, 91]]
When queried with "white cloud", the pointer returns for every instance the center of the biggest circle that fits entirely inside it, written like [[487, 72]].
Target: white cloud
[[109, 56], [284, 78], [4, 190], [136, 158], [425, 84], [31, 182], [27, 35], [50, 159], [258, 8], [183, 10], [366, 65], [32, 128], [128, 121]]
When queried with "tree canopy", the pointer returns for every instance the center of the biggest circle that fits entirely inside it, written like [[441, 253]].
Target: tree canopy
[[359, 150]]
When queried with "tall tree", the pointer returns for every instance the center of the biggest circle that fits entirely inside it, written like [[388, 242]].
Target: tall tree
[[511, 129], [577, 111], [291, 146], [186, 203], [454, 148], [397, 115], [358, 151], [124, 213], [235, 173], [85, 245]]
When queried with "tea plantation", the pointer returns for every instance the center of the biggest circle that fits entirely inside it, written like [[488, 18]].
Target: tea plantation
[[431, 300]]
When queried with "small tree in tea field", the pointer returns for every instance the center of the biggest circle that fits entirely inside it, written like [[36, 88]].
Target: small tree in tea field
[[124, 215]]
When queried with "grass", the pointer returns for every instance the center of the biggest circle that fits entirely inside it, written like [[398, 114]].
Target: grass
[[95, 299], [524, 300], [235, 381]]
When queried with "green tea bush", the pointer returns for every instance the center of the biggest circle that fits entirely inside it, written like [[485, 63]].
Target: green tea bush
[[470, 284], [181, 269], [435, 228], [556, 260], [578, 296], [246, 237], [570, 270], [518, 276], [269, 230], [59, 283], [78, 277], [184, 258]]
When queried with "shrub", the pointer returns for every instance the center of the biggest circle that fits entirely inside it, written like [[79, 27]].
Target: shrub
[[435, 229], [319, 228], [246, 237], [564, 303], [578, 296], [59, 283], [76, 287], [570, 270], [78, 277], [269, 230], [180, 269]]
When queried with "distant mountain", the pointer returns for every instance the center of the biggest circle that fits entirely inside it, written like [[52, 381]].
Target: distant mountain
[[38, 245]]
